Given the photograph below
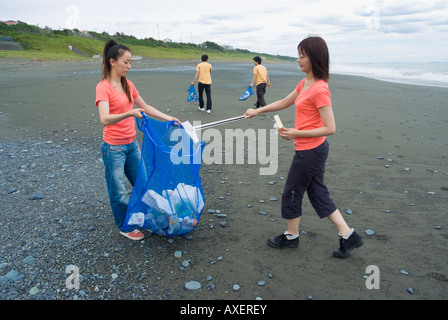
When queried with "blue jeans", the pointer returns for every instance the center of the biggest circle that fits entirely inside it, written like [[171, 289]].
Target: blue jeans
[[120, 161]]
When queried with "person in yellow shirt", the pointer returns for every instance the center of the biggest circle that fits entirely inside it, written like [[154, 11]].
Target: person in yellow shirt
[[203, 72], [260, 78]]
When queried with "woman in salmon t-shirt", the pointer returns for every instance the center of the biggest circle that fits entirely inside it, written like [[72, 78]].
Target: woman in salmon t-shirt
[[314, 121], [115, 99]]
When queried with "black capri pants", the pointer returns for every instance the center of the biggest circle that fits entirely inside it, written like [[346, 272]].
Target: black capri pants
[[307, 174]]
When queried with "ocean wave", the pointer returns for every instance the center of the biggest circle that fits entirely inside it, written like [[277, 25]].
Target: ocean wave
[[425, 74]]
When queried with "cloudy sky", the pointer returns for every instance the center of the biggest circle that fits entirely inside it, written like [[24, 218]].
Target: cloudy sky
[[355, 30]]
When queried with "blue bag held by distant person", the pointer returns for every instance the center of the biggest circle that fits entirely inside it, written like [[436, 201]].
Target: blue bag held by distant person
[[167, 198], [192, 96], [246, 94]]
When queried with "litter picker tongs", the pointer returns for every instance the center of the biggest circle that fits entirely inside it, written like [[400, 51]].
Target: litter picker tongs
[[191, 131]]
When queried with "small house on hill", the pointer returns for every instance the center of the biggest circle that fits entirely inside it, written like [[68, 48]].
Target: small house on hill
[[10, 22]]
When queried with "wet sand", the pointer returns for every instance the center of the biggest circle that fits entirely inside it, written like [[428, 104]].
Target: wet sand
[[387, 166]]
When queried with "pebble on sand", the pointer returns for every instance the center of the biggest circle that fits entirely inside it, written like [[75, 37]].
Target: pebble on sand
[[33, 291], [37, 195], [192, 285]]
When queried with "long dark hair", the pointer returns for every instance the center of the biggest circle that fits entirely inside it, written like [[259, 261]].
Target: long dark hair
[[113, 50], [316, 49]]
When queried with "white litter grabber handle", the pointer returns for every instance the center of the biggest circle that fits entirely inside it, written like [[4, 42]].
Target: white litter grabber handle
[[217, 123], [191, 131]]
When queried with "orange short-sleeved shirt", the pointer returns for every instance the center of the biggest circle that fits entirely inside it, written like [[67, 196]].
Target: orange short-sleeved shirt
[[307, 112], [262, 74], [205, 70], [122, 132]]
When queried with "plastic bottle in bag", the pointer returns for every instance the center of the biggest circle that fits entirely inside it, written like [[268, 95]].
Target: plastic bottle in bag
[[163, 224], [189, 222], [150, 222]]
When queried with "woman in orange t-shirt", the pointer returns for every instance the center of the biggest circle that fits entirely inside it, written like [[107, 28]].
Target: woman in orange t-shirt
[[115, 99], [314, 121]]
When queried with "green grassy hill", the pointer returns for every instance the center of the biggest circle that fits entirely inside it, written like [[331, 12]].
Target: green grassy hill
[[48, 44]]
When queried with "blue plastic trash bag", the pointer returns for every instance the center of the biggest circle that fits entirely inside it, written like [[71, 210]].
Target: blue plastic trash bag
[[192, 96], [167, 197], [246, 94]]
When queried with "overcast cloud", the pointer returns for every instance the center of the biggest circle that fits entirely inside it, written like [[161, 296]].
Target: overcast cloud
[[355, 30]]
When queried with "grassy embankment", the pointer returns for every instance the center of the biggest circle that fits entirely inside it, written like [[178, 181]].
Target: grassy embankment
[[48, 44]]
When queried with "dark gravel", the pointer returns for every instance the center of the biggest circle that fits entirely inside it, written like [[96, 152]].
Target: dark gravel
[[55, 213]]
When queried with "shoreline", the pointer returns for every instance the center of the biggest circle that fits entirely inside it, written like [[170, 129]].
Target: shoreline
[[434, 74], [146, 64], [387, 166]]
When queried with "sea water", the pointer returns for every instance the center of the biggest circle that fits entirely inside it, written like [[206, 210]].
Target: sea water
[[417, 73]]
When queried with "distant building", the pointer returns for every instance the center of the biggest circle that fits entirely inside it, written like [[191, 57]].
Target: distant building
[[10, 22], [167, 40]]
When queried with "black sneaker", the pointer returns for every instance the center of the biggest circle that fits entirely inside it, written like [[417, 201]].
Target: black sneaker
[[282, 242], [347, 245]]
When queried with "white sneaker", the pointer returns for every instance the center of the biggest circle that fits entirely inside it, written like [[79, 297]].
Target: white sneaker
[[202, 109], [209, 111]]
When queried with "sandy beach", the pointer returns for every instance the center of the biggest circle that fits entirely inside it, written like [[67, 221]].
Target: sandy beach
[[387, 172]]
